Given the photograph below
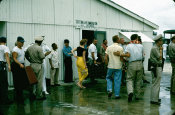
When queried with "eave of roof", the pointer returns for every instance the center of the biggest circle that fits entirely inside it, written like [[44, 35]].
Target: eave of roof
[[169, 32], [130, 13]]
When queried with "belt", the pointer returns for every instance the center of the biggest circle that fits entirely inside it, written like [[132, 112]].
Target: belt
[[136, 60]]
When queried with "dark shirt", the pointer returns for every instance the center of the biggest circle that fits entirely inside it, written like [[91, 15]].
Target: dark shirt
[[80, 51]]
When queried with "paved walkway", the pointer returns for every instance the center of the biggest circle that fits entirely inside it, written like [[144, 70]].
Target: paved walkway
[[68, 99]]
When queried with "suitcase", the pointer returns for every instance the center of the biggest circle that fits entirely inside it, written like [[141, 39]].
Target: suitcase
[[31, 75]]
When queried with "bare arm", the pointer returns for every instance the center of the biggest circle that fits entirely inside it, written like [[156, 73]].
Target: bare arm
[[50, 61], [8, 61], [93, 57], [84, 54], [47, 53], [72, 51], [122, 55], [106, 59], [15, 55]]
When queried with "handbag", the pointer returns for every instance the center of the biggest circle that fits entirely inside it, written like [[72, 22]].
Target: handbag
[[31, 75]]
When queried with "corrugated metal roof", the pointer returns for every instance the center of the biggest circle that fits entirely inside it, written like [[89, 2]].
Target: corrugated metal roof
[[130, 13]]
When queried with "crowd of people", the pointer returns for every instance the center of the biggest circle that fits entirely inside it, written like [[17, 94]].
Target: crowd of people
[[121, 62]]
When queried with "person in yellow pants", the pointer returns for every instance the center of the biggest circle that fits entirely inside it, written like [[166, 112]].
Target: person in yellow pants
[[81, 62]]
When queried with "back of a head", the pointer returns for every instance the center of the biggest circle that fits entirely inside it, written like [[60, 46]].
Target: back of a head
[[53, 45], [134, 36], [139, 39], [66, 41], [173, 38], [115, 39], [83, 41], [3, 39]]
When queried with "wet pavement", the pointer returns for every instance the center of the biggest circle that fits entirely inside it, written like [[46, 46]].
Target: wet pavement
[[68, 99]]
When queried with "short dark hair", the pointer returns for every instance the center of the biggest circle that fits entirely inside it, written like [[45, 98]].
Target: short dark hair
[[38, 42], [66, 41], [104, 40], [83, 41], [3, 39], [172, 38], [53, 45], [115, 38], [134, 36], [139, 39]]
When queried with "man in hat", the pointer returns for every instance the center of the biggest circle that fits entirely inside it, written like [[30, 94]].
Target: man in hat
[[35, 56], [68, 62], [156, 57], [19, 74], [4, 58], [172, 59]]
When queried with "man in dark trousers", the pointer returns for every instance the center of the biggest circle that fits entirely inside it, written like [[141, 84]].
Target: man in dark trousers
[[67, 62], [4, 58]]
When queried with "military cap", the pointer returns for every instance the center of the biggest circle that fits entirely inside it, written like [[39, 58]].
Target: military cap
[[158, 37]]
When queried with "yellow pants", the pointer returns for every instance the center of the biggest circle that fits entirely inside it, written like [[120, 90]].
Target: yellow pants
[[82, 71]]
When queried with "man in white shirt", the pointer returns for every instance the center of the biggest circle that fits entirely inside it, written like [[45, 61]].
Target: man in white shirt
[[54, 64], [4, 58], [92, 60], [114, 67]]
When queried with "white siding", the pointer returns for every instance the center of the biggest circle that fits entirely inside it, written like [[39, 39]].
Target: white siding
[[126, 21], [98, 13], [147, 48], [16, 29], [137, 25], [82, 9], [4, 10], [20, 11], [64, 12], [43, 11], [113, 20]]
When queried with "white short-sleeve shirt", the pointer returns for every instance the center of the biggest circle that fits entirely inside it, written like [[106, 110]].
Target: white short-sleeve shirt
[[54, 58], [3, 49], [20, 53], [92, 48]]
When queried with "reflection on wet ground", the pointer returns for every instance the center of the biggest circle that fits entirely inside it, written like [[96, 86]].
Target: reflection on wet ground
[[68, 99]]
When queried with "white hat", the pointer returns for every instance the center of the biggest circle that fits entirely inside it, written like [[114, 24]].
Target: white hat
[[39, 38], [158, 37]]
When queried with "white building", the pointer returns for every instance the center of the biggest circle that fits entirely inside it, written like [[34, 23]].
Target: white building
[[69, 19]]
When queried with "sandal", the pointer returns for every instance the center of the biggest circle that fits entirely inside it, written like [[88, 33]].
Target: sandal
[[79, 85]]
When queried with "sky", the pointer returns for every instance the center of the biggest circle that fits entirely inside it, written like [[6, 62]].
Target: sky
[[160, 12]]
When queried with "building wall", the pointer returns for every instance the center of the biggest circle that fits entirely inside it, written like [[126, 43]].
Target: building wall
[[56, 20]]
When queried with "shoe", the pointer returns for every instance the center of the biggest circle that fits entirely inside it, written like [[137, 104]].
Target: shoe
[[130, 97], [145, 81], [137, 98], [156, 103], [57, 85], [109, 94], [32, 97], [46, 93], [117, 97], [8, 102]]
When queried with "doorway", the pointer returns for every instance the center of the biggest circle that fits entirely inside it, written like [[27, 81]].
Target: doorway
[[98, 35]]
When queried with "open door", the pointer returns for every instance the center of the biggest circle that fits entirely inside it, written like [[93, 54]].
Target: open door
[[100, 36], [3, 28]]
